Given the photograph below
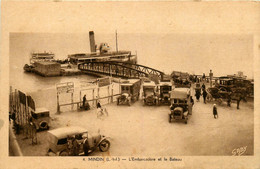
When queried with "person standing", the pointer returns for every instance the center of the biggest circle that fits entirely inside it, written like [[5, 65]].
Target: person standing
[[99, 104], [203, 86], [215, 111], [204, 95], [84, 101], [198, 94], [238, 101], [191, 100], [229, 100]]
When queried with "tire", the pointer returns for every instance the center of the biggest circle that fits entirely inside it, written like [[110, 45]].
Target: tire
[[117, 101], [64, 153], [186, 121], [43, 125], [104, 145]]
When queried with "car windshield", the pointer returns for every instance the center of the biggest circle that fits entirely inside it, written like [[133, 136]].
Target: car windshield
[[148, 91], [165, 89]]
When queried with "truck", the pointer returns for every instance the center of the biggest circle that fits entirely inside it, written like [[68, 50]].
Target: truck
[[130, 91], [150, 94], [165, 88], [181, 105]]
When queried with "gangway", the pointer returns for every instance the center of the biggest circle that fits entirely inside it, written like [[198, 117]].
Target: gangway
[[120, 69]]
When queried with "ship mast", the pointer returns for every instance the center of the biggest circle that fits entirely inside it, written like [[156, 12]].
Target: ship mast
[[116, 42]]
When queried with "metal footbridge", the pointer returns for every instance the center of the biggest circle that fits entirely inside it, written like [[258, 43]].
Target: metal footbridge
[[120, 69]]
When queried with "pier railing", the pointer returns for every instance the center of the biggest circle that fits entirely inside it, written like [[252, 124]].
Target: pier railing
[[120, 69]]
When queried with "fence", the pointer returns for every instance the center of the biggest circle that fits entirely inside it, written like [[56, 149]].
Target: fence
[[96, 90], [20, 108]]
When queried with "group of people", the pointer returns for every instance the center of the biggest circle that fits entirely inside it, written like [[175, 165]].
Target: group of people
[[100, 110], [74, 145], [204, 93]]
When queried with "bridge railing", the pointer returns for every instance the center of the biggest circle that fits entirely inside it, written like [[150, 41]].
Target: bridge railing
[[120, 69]]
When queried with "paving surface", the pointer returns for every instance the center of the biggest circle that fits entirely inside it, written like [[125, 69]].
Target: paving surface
[[144, 130]]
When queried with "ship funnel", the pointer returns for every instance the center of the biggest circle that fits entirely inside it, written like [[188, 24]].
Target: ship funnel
[[92, 41]]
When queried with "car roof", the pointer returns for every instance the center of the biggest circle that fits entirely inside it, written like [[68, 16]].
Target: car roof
[[180, 93], [129, 82], [165, 83], [151, 83], [65, 131], [41, 110]]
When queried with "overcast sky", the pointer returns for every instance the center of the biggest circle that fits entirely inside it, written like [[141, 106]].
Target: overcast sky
[[185, 36]]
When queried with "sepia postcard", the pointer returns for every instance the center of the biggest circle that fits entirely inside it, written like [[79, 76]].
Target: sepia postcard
[[121, 84]]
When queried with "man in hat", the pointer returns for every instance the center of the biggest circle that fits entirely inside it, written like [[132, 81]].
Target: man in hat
[[215, 111]]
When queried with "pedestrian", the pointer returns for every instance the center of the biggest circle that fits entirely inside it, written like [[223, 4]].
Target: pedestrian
[[191, 100], [229, 100], [198, 94], [86, 147], [238, 101], [99, 104], [84, 101], [204, 95], [215, 111], [203, 86], [73, 146]]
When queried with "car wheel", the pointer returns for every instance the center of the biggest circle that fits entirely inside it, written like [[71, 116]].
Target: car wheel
[[129, 102], [64, 153], [186, 121], [117, 101], [104, 145], [43, 125], [170, 119]]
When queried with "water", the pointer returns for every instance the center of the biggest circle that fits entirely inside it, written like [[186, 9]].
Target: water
[[194, 53]]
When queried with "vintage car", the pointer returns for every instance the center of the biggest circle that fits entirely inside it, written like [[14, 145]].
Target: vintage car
[[181, 106], [236, 85], [150, 96], [165, 88], [41, 118], [218, 95], [130, 91], [58, 141]]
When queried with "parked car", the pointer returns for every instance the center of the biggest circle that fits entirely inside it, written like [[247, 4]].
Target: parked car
[[130, 91], [236, 85], [41, 118], [58, 141], [165, 88], [181, 106], [150, 95]]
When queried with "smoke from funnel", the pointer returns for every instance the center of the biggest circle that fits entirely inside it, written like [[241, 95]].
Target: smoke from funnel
[[92, 41]]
